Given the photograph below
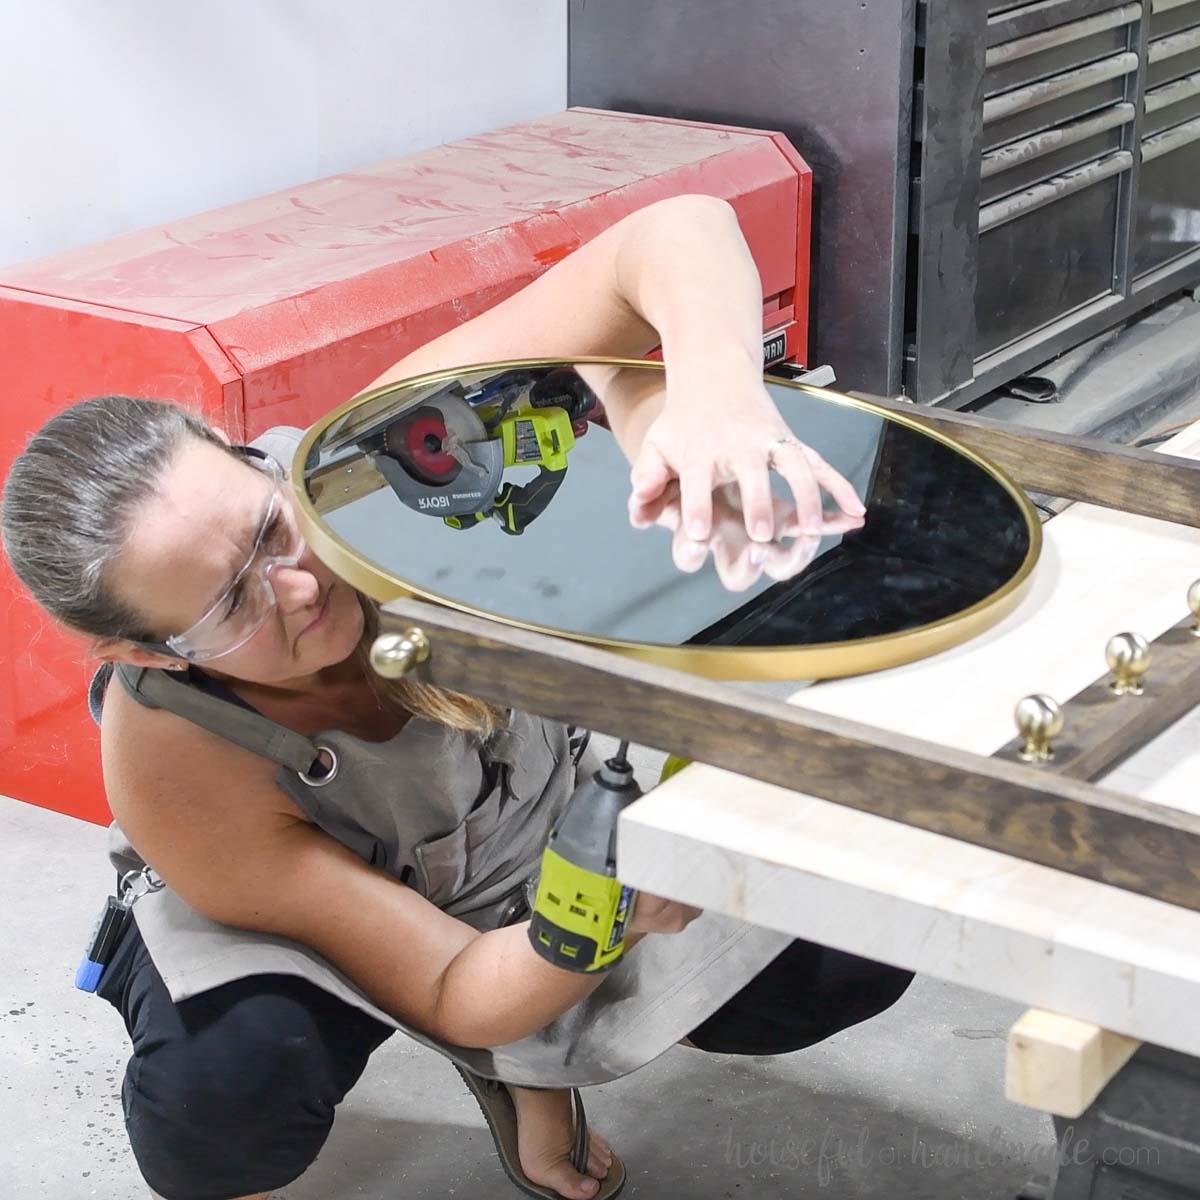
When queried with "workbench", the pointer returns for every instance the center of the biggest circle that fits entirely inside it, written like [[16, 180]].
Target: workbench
[[1114, 962]]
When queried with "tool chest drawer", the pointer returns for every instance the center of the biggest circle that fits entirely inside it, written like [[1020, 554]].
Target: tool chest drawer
[[1022, 111], [1024, 60], [1171, 16], [1168, 204], [1051, 152], [1059, 113], [1050, 252], [1171, 104], [1172, 55], [1168, 201]]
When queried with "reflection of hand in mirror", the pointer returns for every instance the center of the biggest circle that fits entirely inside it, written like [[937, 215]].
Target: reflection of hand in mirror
[[708, 440], [739, 560]]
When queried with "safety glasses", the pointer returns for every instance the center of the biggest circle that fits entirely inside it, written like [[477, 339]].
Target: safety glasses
[[243, 608]]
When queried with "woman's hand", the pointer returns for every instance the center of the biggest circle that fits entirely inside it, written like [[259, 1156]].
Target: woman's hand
[[739, 561], [720, 427], [653, 914]]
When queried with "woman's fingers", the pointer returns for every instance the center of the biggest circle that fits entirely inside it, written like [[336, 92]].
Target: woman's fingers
[[754, 484], [696, 501], [650, 473], [738, 562], [836, 484], [788, 560], [650, 480], [791, 461], [653, 914], [645, 513], [687, 553]]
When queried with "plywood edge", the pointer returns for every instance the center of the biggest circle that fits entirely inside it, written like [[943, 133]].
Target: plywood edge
[[1059, 1064]]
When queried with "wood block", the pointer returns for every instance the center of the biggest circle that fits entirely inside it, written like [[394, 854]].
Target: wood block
[[1060, 1065]]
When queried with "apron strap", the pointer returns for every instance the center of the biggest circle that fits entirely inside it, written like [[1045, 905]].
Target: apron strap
[[250, 730]]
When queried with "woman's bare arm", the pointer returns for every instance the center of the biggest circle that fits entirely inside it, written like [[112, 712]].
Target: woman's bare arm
[[676, 273], [601, 300]]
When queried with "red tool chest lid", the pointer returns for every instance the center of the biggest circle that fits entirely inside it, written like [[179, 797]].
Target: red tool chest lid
[[377, 261]]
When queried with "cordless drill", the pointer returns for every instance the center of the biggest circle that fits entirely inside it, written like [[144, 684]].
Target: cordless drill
[[582, 910]]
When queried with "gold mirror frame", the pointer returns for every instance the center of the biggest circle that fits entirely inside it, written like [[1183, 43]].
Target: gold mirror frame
[[826, 660]]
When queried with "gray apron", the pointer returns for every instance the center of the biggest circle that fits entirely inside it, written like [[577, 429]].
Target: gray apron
[[464, 823]]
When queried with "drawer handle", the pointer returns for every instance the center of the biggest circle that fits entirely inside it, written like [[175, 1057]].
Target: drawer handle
[[1033, 94], [1177, 43], [1061, 35], [1015, 153], [1173, 93], [1159, 144], [1000, 211]]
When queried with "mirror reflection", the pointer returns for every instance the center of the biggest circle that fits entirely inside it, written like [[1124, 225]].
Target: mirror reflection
[[503, 491]]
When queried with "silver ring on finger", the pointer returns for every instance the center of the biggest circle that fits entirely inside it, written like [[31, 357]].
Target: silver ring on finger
[[773, 446]]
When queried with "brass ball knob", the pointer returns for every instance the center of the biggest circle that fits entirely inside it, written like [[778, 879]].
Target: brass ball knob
[[1039, 721], [1193, 599], [1128, 658], [393, 655]]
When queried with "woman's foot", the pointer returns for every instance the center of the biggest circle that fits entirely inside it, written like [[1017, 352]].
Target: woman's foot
[[545, 1137]]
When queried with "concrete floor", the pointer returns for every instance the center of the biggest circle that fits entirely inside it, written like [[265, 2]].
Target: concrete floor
[[908, 1107]]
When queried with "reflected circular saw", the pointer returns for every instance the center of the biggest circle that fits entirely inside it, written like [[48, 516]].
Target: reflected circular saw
[[446, 457]]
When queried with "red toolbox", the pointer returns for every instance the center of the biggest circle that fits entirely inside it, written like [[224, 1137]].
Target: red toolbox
[[274, 311]]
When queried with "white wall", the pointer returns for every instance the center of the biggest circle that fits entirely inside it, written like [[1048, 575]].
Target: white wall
[[127, 113]]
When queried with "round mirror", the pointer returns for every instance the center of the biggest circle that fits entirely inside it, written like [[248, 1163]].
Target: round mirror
[[499, 490]]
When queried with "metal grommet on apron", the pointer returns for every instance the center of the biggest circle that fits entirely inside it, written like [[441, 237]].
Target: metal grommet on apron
[[330, 774]]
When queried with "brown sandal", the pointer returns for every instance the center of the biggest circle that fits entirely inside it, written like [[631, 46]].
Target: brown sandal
[[501, 1116]]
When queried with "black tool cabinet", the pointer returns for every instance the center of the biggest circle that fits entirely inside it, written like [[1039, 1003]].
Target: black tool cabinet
[[994, 182]]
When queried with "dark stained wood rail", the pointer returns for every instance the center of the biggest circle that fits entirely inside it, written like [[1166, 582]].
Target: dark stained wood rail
[[1016, 809], [1123, 477], [1101, 729]]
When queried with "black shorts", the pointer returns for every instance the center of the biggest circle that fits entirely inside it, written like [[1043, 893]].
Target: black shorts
[[233, 1091]]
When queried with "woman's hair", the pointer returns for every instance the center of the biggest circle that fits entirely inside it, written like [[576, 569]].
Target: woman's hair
[[449, 708], [71, 497]]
